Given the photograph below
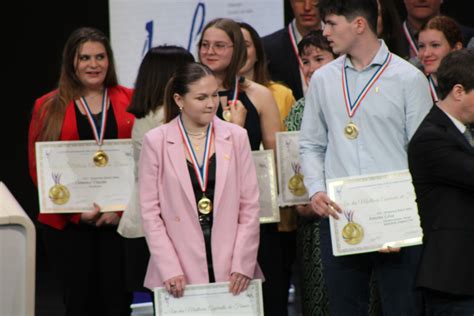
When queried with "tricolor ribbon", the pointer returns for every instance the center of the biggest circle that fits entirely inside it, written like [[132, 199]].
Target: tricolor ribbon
[[434, 95], [97, 131], [235, 93], [201, 171], [292, 33], [410, 39], [351, 108]]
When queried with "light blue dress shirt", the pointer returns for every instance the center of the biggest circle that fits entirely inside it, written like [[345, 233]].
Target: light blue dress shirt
[[387, 118]]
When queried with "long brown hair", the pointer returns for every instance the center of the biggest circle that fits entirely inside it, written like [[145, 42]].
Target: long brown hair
[[179, 83], [239, 54], [260, 69], [70, 87]]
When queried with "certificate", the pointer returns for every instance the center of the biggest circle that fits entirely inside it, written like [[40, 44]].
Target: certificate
[[290, 178], [74, 174], [211, 299], [379, 211], [267, 184]]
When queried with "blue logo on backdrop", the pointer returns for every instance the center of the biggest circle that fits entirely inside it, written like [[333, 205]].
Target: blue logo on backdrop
[[193, 35], [149, 38]]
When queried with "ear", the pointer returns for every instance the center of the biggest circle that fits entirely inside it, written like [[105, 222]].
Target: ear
[[458, 92], [360, 24], [178, 100]]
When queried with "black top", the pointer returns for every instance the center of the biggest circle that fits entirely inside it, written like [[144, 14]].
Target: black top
[[252, 120], [211, 181], [205, 220], [85, 130]]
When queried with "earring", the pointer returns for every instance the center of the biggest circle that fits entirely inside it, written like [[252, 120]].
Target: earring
[[180, 108]]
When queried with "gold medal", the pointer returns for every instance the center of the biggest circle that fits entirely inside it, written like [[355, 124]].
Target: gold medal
[[352, 233], [59, 194], [204, 205], [296, 185], [227, 115], [100, 158], [351, 131]]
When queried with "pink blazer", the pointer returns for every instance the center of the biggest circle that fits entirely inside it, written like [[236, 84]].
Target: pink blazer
[[169, 211]]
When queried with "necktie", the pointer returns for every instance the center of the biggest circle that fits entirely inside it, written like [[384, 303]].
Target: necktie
[[468, 135]]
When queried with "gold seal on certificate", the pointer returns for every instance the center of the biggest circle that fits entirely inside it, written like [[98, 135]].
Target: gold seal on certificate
[[352, 233], [296, 182], [351, 131], [58, 193], [204, 205], [227, 115], [100, 158]]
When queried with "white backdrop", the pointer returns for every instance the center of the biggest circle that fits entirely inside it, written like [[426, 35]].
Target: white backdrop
[[137, 25]]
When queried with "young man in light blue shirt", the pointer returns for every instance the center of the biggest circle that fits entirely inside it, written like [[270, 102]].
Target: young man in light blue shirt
[[361, 110]]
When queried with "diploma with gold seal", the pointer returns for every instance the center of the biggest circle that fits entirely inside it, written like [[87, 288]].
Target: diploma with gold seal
[[379, 211], [70, 180], [212, 299]]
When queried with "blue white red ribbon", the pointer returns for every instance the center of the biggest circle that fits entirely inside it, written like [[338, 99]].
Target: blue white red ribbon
[[98, 131], [352, 107], [294, 44], [201, 171]]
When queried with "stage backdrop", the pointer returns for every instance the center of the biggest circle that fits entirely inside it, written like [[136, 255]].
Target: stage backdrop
[[137, 25]]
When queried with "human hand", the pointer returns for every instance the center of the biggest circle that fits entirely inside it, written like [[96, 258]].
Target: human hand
[[238, 112], [238, 283], [324, 206], [390, 250], [175, 286], [91, 217], [109, 219]]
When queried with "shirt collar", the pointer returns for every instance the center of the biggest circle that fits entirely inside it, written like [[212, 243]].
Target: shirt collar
[[459, 125], [378, 59]]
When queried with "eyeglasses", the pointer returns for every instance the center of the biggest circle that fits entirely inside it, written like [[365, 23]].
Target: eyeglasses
[[219, 47]]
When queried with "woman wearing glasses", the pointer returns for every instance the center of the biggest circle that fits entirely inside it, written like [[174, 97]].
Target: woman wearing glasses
[[251, 105], [242, 101]]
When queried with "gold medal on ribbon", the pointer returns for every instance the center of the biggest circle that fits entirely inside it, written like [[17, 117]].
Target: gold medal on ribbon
[[204, 205], [352, 233], [351, 131], [296, 182], [227, 115], [100, 158], [58, 193]]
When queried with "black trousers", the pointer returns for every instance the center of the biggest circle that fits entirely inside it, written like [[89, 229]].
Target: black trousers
[[89, 263]]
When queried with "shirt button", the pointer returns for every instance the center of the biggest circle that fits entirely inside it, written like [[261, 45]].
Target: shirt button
[[177, 219]]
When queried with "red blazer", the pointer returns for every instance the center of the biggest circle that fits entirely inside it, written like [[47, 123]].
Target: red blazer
[[119, 98]]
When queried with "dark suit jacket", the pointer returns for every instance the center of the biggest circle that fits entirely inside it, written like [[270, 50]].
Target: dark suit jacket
[[441, 162], [282, 62]]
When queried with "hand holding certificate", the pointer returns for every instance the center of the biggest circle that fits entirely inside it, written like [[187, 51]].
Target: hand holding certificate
[[211, 299], [378, 211]]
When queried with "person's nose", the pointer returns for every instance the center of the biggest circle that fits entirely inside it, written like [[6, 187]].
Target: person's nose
[[308, 4], [93, 62]]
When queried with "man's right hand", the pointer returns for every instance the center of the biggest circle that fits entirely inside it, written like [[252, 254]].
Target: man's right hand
[[324, 206]]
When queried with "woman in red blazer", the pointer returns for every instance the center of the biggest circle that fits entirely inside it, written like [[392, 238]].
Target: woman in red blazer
[[198, 191], [84, 248]]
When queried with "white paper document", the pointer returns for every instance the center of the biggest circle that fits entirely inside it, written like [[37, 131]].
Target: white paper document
[[211, 299], [70, 180], [379, 211]]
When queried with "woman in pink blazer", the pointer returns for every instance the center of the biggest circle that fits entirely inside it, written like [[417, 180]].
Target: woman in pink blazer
[[198, 191]]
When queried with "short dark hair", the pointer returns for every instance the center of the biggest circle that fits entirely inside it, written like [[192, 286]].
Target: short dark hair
[[351, 9], [316, 39], [157, 67], [456, 68], [184, 76]]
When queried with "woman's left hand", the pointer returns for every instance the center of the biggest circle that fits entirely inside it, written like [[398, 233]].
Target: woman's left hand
[[238, 283], [108, 219]]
